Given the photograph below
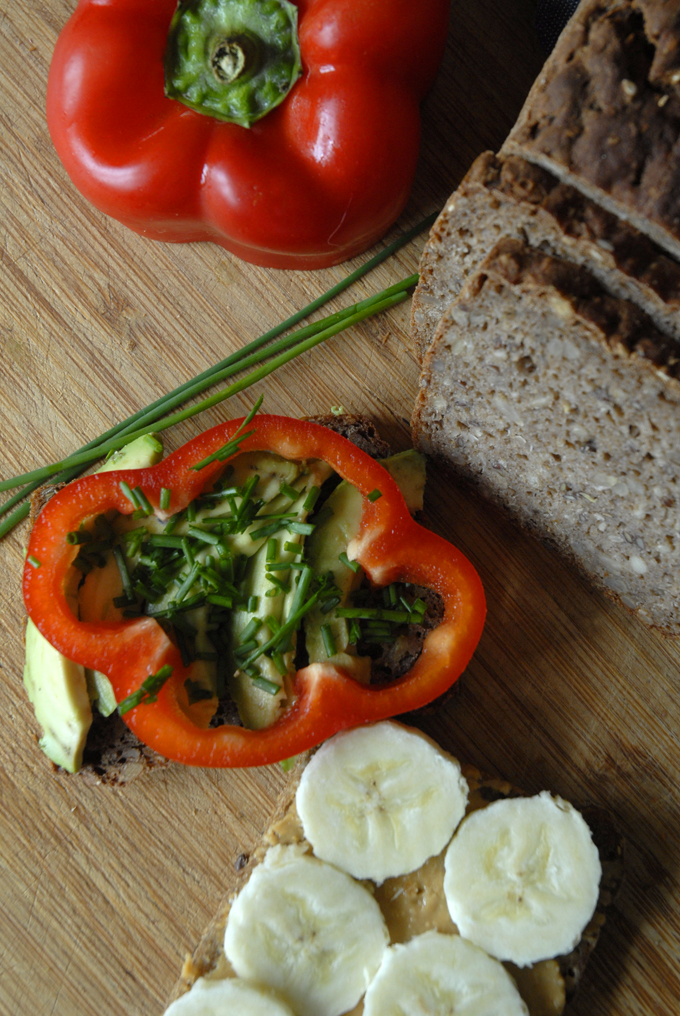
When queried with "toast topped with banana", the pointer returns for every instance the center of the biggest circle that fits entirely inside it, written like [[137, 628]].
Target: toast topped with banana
[[394, 880]]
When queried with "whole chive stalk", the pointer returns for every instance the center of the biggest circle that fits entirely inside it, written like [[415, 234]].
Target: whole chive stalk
[[396, 294], [242, 359]]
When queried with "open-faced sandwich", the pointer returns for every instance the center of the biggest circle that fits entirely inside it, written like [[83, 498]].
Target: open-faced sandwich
[[395, 881], [238, 602]]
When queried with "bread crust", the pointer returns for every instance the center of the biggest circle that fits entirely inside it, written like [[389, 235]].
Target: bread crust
[[520, 200], [208, 960], [604, 114]]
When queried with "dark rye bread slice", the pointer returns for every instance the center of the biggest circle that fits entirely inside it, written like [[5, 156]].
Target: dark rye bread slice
[[545, 987], [510, 197], [604, 113], [562, 404], [114, 756]]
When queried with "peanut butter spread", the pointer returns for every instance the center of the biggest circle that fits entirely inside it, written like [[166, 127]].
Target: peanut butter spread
[[411, 904]]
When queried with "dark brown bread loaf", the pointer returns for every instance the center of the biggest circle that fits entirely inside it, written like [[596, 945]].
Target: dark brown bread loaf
[[562, 404], [514, 198], [604, 114]]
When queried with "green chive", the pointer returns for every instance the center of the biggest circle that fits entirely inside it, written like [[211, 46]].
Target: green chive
[[33, 561], [125, 487], [251, 629], [279, 663], [311, 498], [301, 528], [152, 417], [148, 691], [220, 601], [293, 548], [374, 495], [201, 534], [290, 492], [165, 498], [272, 550], [265, 685], [252, 604], [142, 500], [124, 573], [328, 640], [354, 565]]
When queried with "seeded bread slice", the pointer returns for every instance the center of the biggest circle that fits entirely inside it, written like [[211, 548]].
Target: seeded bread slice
[[414, 903], [113, 755], [604, 113], [511, 197], [562, 404]]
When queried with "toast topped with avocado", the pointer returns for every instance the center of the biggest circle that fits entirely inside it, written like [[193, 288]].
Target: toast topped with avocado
[[220, 592]]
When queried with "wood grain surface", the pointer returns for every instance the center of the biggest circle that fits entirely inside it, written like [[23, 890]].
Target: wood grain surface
[[102, 892]]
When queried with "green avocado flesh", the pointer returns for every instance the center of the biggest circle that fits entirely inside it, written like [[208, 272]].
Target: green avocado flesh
[[251, 567], [62, 692]]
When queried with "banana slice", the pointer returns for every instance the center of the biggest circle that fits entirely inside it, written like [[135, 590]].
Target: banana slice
[[522, 878], [306, 930], [442, 975], [379, 800], [215, 998]]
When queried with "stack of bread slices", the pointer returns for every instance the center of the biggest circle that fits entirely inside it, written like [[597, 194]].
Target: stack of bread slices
[[547, 316]]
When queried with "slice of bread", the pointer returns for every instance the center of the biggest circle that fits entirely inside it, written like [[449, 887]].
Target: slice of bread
[[604, 113], [414, 903], [114, 756], [510, 197], [562, 404]]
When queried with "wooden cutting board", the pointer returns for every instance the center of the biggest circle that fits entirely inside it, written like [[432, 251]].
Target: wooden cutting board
[[102, 892]]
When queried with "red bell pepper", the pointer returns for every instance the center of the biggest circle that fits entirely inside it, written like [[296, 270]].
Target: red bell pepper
[[315, 181], [390, 547]]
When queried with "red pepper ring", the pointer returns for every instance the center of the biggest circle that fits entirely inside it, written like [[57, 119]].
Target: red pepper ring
[[390, 546]]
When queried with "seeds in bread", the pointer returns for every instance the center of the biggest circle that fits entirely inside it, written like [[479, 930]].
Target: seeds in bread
[[604, 113], [562, 405], [510, 197]]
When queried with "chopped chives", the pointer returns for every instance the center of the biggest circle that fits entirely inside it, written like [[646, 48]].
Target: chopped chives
[[354, 633], [125, 487], [328, 605], [79, 536], [252, 604], [265, 685], [375, 613], [163, 540], [172, 523], [201, 534], [354, 565], [187, 551], [311, 498], [374, 495], [33, 561], [188, 581], [191, 512], [290, 492], [165, 498], [272, 623], [220, 601], [142, 500], [251, 629], [124, 573], [279, 663], [281, 565], [272, 550], [301, 528], [328, 640], [293, 548], [148, 691]]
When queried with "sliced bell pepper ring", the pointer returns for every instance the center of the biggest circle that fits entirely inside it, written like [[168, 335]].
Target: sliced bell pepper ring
[[390, 546]]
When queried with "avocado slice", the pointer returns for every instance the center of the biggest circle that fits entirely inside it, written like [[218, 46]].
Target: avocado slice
[[331, 538], [60, 690], [57, 690]]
